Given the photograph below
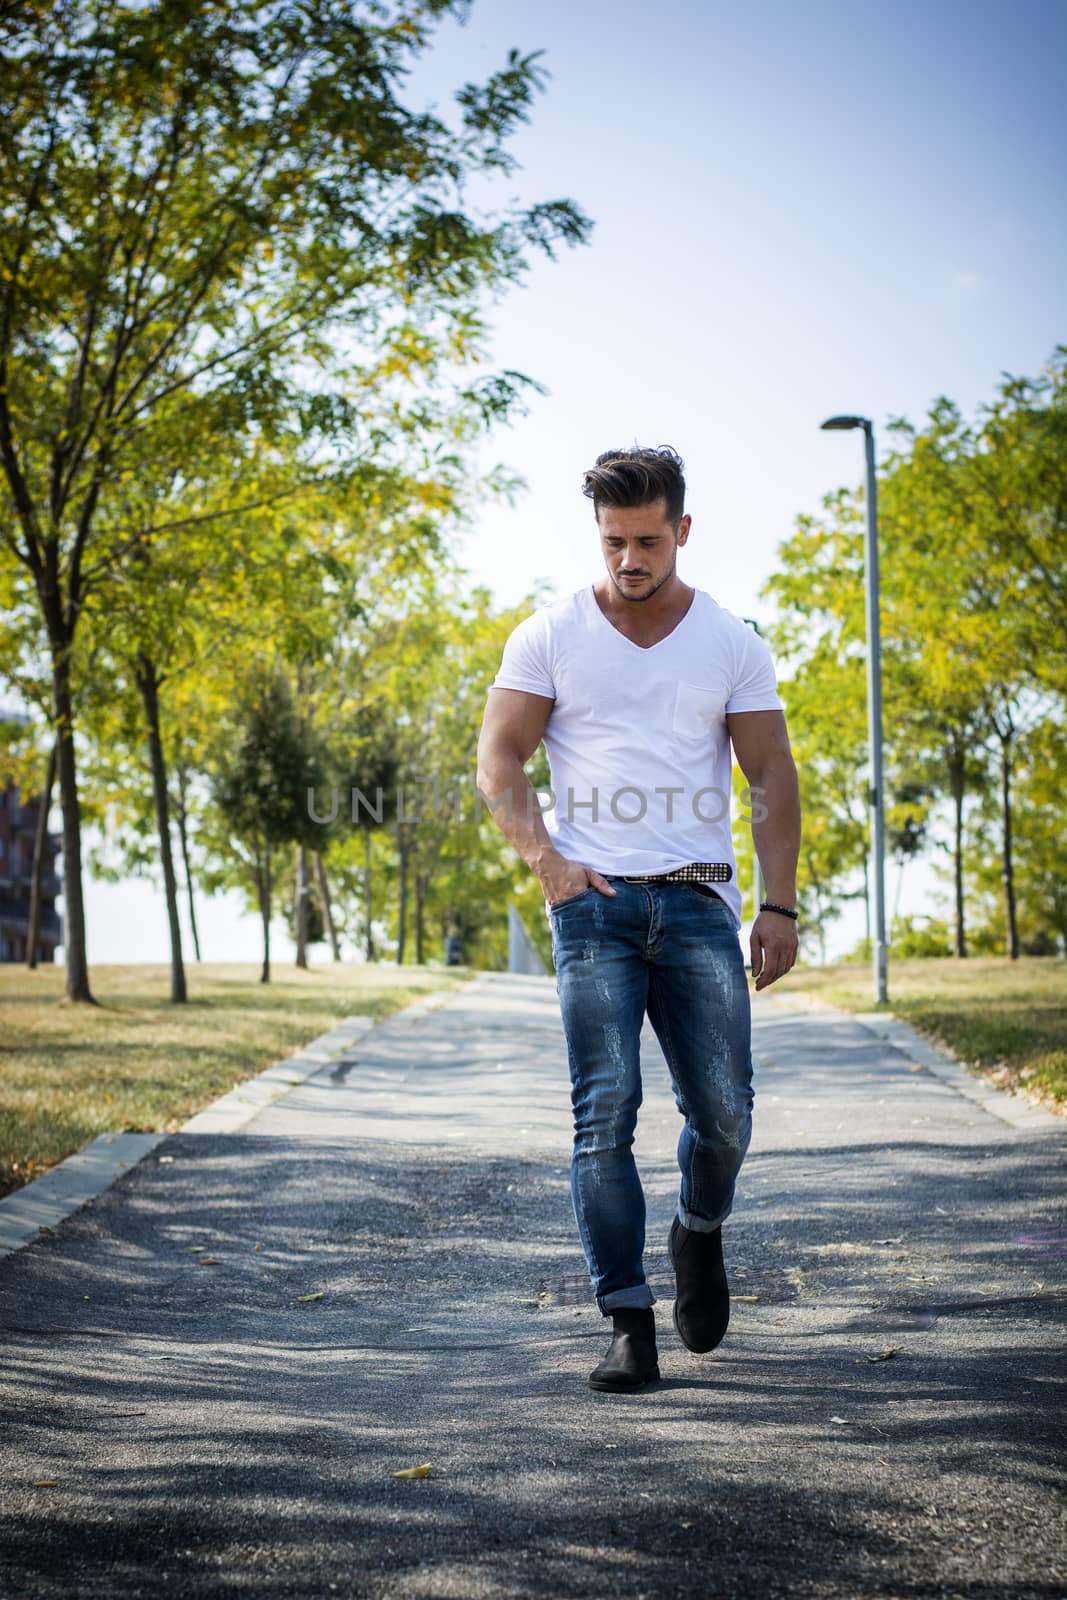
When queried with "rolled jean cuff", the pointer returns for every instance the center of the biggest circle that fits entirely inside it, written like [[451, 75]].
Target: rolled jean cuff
[[639, 1296], [696, 1224]]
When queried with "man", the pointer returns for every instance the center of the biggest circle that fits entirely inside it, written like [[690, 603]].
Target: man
[[638, 684]]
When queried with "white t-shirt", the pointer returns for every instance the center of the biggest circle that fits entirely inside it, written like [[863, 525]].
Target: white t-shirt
[[637, 742]]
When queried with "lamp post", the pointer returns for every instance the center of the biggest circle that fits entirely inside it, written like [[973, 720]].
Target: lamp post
[[875, 795]]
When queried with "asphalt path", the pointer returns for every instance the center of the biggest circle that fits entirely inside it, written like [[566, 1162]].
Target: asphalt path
[[211, 1372]]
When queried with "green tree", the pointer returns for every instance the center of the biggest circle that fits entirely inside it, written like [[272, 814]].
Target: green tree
[[201, 206], [963, 640], [260, 789], [973, 535], [1018, 492], [820, 643], [1040, 780]]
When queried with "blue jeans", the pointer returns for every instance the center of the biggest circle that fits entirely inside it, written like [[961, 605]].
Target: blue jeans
[[670, 950]]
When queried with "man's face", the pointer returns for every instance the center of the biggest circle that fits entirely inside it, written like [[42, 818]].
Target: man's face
[[640, 547]]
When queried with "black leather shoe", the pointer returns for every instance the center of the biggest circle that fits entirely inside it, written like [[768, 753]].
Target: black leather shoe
[[631, 1356], [702, 1298]]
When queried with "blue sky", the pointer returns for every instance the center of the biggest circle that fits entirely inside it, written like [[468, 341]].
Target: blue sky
[[800, 209]]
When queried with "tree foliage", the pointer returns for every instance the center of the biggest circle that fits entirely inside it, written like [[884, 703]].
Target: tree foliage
[[972, 552], [234, 264]]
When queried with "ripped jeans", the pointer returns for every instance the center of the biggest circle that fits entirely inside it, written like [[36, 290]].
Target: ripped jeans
[[671, 950]]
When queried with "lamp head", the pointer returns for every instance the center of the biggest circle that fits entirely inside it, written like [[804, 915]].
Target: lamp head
[[845, 422]]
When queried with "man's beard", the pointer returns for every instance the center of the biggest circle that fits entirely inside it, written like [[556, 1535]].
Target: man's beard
[[638, 598]]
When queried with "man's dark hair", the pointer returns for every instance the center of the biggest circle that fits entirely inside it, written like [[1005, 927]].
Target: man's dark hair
[[637, 477]]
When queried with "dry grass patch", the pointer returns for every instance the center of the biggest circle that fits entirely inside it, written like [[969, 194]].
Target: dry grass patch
[[136, 1063]]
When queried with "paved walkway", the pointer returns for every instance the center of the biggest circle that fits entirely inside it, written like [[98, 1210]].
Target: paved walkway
[[213, 1369]]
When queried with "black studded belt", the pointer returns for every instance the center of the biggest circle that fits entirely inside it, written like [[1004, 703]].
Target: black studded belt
[[692, 872]]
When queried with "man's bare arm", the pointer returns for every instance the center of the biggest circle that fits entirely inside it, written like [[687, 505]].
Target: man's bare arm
[[761, 744], [512, 728]]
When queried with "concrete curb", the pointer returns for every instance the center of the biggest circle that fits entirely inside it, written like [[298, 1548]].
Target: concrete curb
[[1000, 1103], [231, 1111], [68, 1185], [1016, 1111], [81, 1177]]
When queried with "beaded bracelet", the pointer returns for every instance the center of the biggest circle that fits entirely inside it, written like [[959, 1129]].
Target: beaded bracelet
[[767, 905]]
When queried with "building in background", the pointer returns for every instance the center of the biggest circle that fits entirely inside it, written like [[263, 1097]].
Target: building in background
[[18, 832]]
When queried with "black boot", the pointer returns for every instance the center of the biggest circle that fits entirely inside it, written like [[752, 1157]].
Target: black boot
[[631, 1356], [702, 1298]]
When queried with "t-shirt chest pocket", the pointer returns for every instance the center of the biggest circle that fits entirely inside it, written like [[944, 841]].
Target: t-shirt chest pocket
[[698, 710]]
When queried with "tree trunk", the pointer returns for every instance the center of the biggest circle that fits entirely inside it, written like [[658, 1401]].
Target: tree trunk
[[74, 954], [183, 836], [327, 909], [955, 773], [1059, 921], [402, 904], [263, 889], [422, 883], [867, 899], [1008, 870], [368, 948], [301, 917], [901, 864], [820, 910], [40, 855], [148, 684]]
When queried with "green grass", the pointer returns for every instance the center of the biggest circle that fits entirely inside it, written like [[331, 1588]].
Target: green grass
[[1006, 1020], [137, 1063]]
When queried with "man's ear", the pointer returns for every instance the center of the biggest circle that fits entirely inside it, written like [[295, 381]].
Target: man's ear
[[684, 526]]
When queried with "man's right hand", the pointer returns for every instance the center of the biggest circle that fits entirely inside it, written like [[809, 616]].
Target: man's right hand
[[562, 879]]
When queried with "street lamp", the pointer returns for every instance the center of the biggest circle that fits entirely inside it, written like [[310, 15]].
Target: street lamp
[[874, 707]]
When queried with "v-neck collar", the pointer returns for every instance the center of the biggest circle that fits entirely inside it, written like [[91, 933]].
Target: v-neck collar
[[644, 649]]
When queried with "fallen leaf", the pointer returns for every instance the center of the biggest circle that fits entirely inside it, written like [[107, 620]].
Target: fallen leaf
[[316, 1296], [259, 1247], [165, 1160], [44, 1483], [745, 1297], [413, 1472], [884, 1355], [209, 1261], [839, 1419], [685, 1524]]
